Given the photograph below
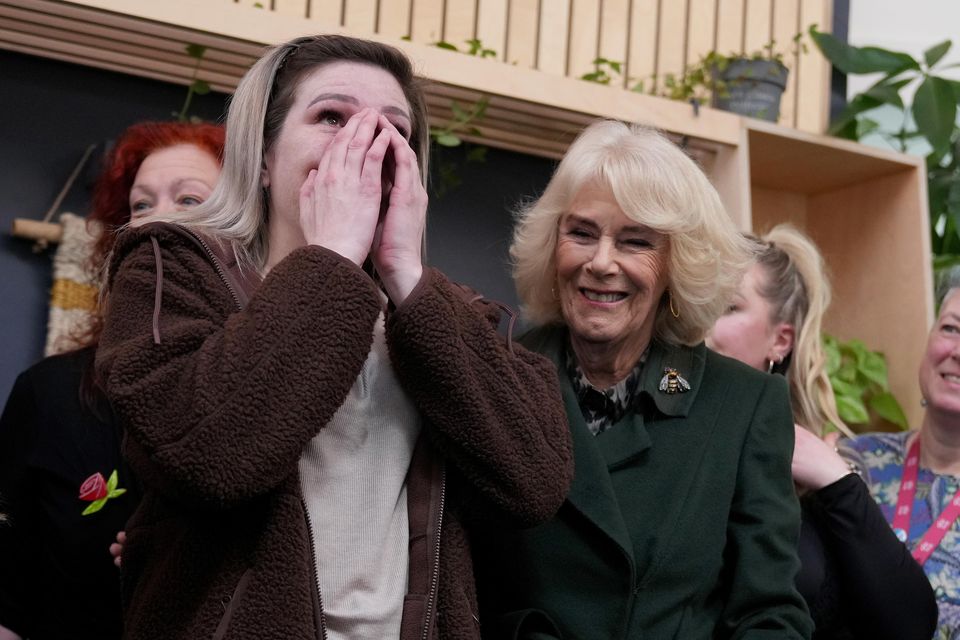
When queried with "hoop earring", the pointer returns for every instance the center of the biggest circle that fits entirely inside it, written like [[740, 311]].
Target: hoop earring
[[771, 364], [675, 312]]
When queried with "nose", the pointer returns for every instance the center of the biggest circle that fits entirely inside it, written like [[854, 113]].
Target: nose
[[603, 261]]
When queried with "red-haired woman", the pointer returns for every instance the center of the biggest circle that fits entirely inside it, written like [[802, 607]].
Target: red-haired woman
[[63, 486]]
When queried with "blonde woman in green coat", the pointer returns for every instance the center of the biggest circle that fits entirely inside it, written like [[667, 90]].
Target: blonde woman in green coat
[[682, 521]]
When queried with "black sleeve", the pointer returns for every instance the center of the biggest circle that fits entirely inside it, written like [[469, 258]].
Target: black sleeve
[[886, 591], [16, 433]]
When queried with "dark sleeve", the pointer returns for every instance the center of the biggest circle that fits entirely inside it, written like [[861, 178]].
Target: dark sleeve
[[17, 430], [220, 410], [886, 591], [764, 527], [493, 409]]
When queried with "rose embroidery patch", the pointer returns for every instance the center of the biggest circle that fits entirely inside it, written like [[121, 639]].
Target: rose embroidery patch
[[97, 491]]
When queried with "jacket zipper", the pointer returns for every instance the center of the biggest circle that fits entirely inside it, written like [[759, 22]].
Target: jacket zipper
[[435, 573], [316, 574], [217, 266]]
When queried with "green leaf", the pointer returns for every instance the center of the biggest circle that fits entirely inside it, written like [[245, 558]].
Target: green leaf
[[852, 410], [874, 368], [616, 66], [448, 140], [848, 117], [956, 87], [196, 51], [445, 45], [889, 409], [200, 87], [850, 59], [935, 111], [94, 506], [477, 154], [933, 54], [112, 481], [888, 93], [842, 388], [458, 112], [866, 126], [116, 493]]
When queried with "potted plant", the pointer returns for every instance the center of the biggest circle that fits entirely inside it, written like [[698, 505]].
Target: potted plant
[[747, 84], [930, 118]]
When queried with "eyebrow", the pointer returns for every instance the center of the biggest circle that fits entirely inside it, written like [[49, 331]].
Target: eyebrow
[[342, 97], [956, 318], [179, 182], [629, 229]]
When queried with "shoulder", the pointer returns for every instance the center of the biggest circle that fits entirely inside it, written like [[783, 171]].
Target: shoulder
[[877, 443], [62, 365]]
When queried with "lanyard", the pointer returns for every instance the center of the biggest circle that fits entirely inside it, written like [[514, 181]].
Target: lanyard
[[901, 518]]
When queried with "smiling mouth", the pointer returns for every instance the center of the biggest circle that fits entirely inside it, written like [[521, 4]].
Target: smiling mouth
[[600, 296], [949, 377]]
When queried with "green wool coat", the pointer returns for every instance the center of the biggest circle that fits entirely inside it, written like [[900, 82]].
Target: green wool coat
[[682, 521]]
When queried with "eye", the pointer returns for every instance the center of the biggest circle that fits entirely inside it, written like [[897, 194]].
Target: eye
[[189, 201], [403, 131], [580, 233], [331, 117], [733, 308], [638, 243], [140, 206], [950, 328]]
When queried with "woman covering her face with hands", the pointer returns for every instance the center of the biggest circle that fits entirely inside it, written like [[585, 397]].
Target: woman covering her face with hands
[[314, 440]]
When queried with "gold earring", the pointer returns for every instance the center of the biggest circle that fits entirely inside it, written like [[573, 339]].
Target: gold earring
[[675, 312]]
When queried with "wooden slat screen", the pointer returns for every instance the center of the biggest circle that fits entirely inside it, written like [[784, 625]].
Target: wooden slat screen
[[650, 38]]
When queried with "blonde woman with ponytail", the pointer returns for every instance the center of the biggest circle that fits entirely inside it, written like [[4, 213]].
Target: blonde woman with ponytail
[[859, 581]]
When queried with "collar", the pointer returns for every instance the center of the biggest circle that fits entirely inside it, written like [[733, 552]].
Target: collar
[[689, 362]]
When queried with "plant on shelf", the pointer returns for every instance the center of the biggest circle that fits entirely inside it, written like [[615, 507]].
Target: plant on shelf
[[931, 117], [463, 120], [197, 87], [860, 386], [747, 84]]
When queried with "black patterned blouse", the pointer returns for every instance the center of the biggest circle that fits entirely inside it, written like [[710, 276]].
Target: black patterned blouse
[[603, 408]]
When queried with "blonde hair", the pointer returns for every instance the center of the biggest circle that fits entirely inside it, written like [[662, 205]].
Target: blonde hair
[[237, 210], [796, 286], [657, 185]]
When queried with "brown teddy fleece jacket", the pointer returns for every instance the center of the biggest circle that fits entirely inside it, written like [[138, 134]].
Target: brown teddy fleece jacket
[[218, 404]]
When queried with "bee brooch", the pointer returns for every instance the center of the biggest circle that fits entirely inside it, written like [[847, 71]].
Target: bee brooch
[[673, 382]]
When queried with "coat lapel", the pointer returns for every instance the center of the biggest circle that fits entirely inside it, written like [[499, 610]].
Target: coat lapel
[[591, 492]]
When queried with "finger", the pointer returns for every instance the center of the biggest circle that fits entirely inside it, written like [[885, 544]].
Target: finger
[[373, 158], [359, 145], [832, 438], [335, 155], [122, 537], [307, 191], [406, 173]]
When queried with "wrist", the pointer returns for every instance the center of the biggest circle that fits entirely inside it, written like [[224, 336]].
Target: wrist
[[401, 283]]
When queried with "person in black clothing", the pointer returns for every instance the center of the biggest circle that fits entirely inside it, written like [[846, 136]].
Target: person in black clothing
[[59, 444], [859, 581]]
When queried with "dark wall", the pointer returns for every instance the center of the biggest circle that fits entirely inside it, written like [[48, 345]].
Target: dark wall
[[51, 111]]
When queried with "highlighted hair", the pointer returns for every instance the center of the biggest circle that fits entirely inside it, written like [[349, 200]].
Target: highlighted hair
[[797, 288], [657, 185]]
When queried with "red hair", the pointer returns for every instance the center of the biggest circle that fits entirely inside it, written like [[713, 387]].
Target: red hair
[[110, 203]]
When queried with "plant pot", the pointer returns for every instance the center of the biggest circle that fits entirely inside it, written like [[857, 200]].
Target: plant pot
[[751, 88]]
